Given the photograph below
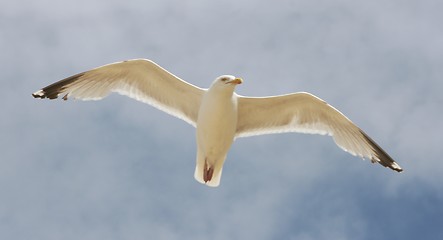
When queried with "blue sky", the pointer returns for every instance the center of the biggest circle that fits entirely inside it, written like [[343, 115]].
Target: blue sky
[[120, 169]]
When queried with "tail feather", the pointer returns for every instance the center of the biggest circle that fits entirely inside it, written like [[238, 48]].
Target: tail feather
[[201, 171], [215, 180]]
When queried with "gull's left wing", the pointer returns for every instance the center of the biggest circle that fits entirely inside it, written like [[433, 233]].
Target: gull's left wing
[[306, 113], [140, 79]]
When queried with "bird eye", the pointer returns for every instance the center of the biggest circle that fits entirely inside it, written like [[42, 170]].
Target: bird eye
[[224, 79]]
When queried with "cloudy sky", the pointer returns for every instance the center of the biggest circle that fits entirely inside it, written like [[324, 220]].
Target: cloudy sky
[[120, 169]]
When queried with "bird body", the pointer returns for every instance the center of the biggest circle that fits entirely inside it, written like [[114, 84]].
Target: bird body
[[216, 127], [218, 113]]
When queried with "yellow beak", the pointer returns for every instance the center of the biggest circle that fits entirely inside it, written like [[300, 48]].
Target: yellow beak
[[236, 81]]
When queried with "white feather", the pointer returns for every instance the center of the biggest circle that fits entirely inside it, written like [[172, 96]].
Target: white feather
[[140, 79], [306, 113]]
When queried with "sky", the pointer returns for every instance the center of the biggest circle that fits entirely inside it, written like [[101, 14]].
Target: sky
[[120, 169]]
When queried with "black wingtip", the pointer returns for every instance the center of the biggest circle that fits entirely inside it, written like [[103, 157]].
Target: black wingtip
[[38, 95], [381, 156], [52, 91]]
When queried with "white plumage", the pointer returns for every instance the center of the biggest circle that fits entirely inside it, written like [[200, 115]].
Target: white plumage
[[218, 113]]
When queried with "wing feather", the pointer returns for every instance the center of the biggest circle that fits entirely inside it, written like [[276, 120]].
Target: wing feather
[[140, 79], [306, 113]]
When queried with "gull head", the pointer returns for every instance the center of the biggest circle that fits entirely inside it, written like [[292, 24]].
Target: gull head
[[226, 82]]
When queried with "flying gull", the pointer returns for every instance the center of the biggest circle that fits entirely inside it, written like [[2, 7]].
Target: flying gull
[[218, 113]]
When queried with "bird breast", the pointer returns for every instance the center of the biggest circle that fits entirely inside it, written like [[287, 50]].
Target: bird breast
[[216, 123]]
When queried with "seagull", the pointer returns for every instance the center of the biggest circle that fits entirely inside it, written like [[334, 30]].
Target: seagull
[[218, 113]]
